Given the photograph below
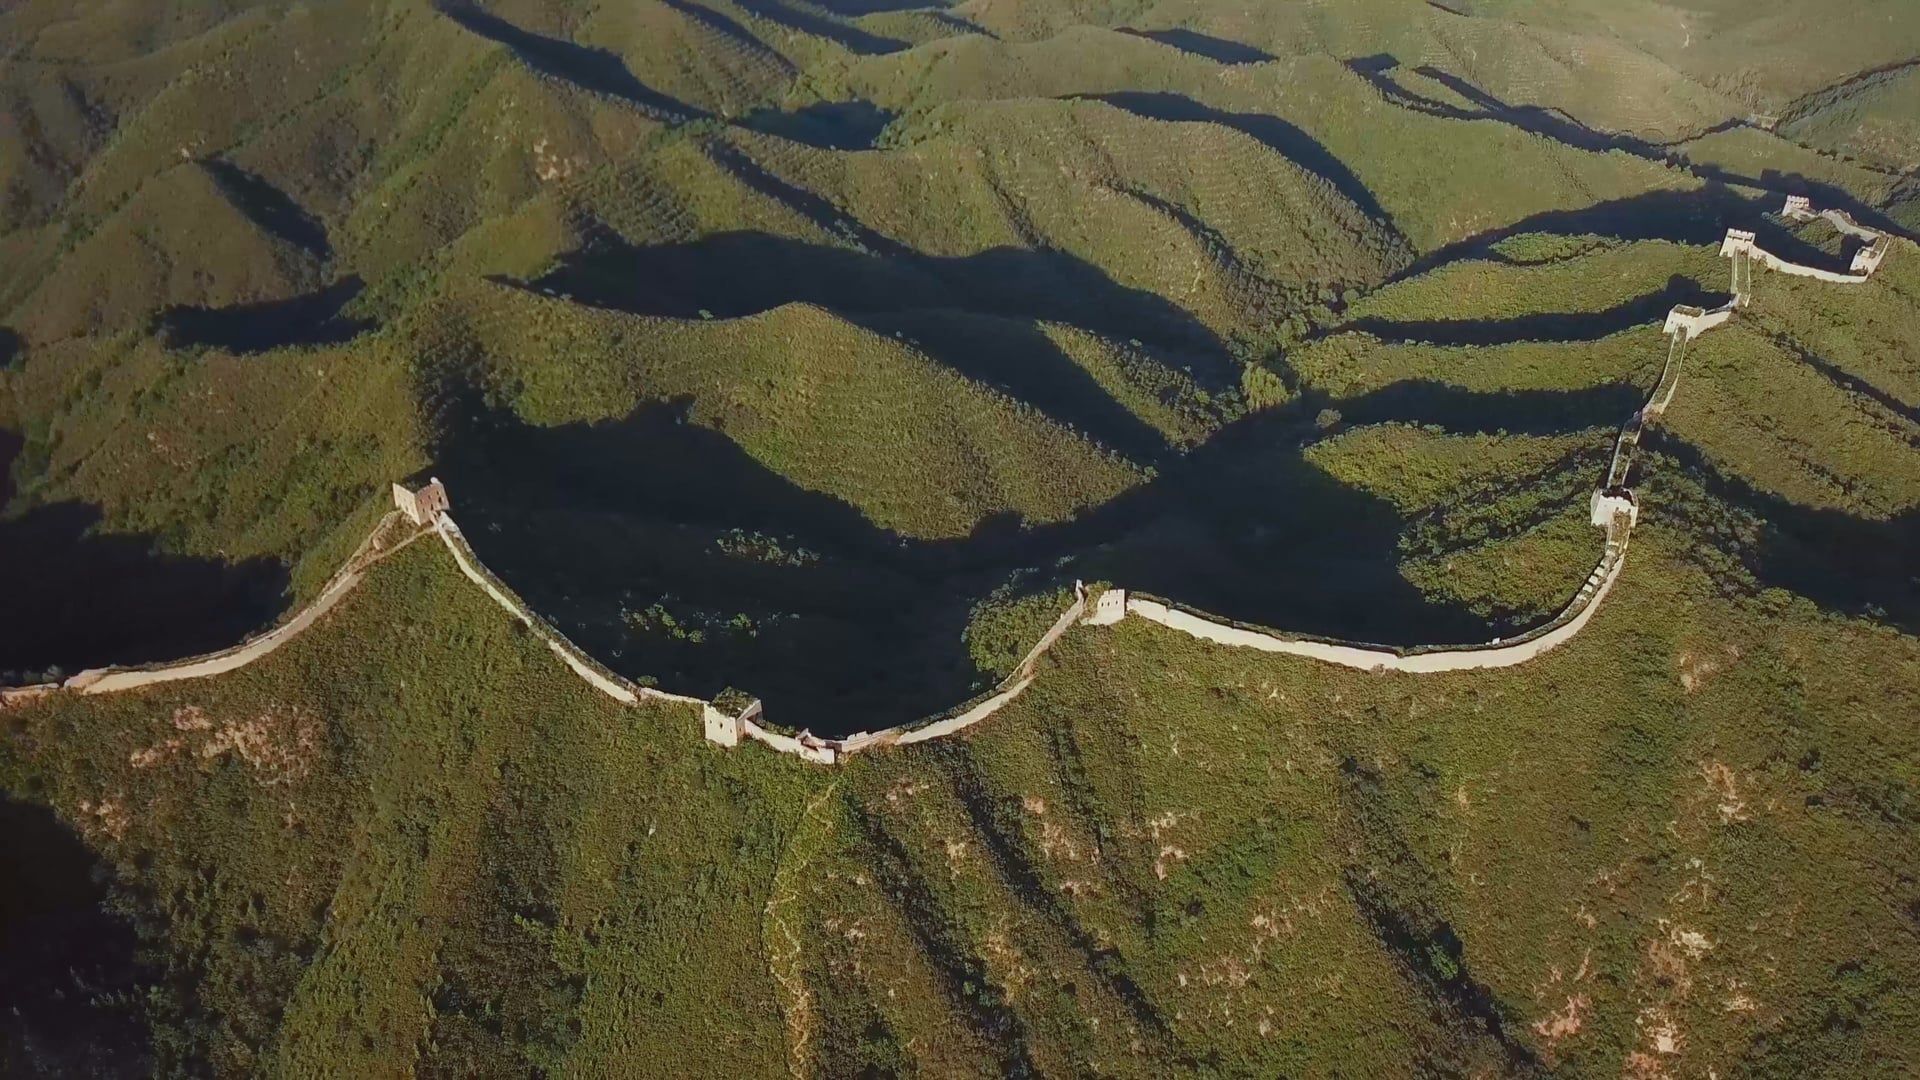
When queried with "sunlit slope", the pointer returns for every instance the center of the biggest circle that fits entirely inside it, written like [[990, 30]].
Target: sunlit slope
[[238, 456], [1165, 854], [1322, 113], [1805, 411], [447, 885], [1875, 117], [184, 240], [1305, 870], [831, 406], [1766, 53]]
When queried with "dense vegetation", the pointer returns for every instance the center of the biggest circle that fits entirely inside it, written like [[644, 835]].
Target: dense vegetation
[[814, 350]]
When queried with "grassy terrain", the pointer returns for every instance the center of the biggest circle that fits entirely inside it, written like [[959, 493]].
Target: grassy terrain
[[814, 350], [1136, 870]]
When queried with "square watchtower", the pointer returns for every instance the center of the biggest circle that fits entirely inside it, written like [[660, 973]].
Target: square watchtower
[[423, 506]]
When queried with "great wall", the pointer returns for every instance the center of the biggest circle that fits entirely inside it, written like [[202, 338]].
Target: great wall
[[1613, 508]]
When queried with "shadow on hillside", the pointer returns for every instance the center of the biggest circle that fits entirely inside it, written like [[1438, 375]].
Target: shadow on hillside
[[69, 1003], [1847, 380], [1219, 50], [269, 207], [1535, 119], [974, 314], [793, 17], [830, 125], [667, 551], [1825, 196], [741, 37], [1698, 216], [1377, 69], [727, 275], [313, 319], [853, 9], [78, 598], [596, 70], [1555, 124], [823, 214], [1547, 326], [1276, 134], [1017, 358], [1840, 561]]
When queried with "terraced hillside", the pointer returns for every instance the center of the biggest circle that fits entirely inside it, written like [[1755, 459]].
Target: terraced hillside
[[814, 351]]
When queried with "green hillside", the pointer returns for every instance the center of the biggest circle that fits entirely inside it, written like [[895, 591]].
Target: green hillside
[[813, 351]]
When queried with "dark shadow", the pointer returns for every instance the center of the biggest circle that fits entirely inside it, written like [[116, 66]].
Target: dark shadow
[[596, 70], [1552, 123], [76, 598], [1842, 562], [685, 560], [1376, 70], [1825, 196], [824, 215], [1790, 242], [1557, 125], [830, 125], [1015, 357], [1700, 216], [1276, 134], [1219, 50], [1546, 326], [1847, 380], [795, 17], [1512, 412], [741, 273], [729, 28], [666, 551], [313, 319], [853, 9], [12, 348], [269, 207], [11, 446], [973, 313], [1247, 528], [70, 980]]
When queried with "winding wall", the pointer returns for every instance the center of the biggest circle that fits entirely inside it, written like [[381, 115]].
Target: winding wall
[[1614, 508]]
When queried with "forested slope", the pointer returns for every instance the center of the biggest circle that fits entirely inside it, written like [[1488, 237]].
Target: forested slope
[[814, 350]]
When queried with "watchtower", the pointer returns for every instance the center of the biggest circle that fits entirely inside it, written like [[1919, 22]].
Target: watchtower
[[1607, 503], [423, 506], [726, 725]]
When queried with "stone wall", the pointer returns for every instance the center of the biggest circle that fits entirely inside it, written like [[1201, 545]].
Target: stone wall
[[1613, 507], [379, 543], [1865, 261]]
